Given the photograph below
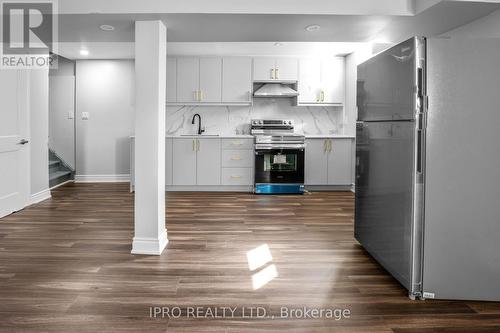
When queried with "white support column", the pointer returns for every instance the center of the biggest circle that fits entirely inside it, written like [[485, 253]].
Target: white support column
[[150, 70]]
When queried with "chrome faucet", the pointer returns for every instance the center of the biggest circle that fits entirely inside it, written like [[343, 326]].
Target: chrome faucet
[[200, 130]]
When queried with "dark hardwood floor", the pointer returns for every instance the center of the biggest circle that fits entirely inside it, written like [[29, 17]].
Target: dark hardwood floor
[[65, 265]]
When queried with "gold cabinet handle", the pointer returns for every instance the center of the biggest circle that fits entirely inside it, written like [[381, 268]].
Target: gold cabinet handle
[[197, 145], [325, 146], [235, 177], [273, 76], [193, 144], [201, 95], [322, 96], [277, 76], [330, 145], [236, 158], [237, 143]]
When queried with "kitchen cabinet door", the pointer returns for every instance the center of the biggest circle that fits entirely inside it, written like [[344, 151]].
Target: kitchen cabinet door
[[316, 163], [333, 80], [208, 161], [263, 69], [188, 79], [309, 80], [236, 80], [171, 80], [210, 80], [340, 162], [287, 69], [168, 161], [184, 161]]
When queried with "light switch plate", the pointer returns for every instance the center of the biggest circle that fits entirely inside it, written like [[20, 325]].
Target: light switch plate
[[71, 115], [85, 116]]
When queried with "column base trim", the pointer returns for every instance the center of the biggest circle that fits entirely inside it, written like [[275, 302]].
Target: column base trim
[[149, 246]]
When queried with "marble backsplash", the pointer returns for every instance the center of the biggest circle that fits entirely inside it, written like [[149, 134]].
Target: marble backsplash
[[230, 120]]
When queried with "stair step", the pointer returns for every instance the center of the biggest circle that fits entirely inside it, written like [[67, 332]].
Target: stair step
[[53, 163], [58, 174]]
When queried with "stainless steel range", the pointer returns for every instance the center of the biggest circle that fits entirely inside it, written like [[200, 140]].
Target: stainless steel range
[[279, 157]]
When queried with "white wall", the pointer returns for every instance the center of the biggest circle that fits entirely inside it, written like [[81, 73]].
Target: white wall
[[485, 27], [61, 118], [105, 89], [39, 130]]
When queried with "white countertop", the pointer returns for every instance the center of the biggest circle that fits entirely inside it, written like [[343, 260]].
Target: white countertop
[[243, 136], [330, 136]]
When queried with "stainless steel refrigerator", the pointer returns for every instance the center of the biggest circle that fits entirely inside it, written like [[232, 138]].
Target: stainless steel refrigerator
[[428, 166]]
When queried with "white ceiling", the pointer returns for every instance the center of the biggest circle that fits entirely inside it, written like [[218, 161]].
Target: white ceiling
[[325, 7], [434, 18]]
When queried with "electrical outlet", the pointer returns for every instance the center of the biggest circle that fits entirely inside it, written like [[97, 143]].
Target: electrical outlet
[[85, 116]]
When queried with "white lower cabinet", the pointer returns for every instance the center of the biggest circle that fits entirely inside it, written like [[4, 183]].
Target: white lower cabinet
[[196, 161], [237, 176], [208, 162], [328, 161], [184, 161]]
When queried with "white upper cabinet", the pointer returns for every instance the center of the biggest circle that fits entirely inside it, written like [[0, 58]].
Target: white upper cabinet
[[275, 69], [287, 69], [171, 80], [188, 79], [309, 83], [333, 80], [322, 81], [263, 69], [236, 80], [210, 80]]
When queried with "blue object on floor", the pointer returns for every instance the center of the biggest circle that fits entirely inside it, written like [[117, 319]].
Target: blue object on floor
[[279, 189]]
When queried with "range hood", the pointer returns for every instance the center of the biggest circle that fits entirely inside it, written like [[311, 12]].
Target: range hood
[[275, 90]]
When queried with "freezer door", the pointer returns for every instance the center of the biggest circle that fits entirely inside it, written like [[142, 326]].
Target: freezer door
[[462, 214], [384, 194], [386, 84]]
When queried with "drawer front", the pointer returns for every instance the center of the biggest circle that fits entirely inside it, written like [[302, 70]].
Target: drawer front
[[237, 176], [237, 158], [237, 143]]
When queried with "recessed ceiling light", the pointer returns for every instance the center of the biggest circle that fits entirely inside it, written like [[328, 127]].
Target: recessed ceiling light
[[278, 44], [84, 52], [107, 27], [312, 27]]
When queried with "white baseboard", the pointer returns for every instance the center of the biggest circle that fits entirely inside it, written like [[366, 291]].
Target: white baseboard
[[40, 196], [102, 178], [149, 246]]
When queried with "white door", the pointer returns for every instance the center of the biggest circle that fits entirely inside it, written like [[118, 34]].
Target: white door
[[14, 155], [208, 162], [263, 69], [316, 162], [236, 80], [333, 80], [287, 69], [309, 83], [171, 80], [210, 80], [184, 163], [340, 162], [188, 79]]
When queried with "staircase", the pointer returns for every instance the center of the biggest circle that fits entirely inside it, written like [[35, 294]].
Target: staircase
[[59, 172]]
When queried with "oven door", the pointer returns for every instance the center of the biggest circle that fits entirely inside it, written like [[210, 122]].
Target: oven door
[[279, 166]]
